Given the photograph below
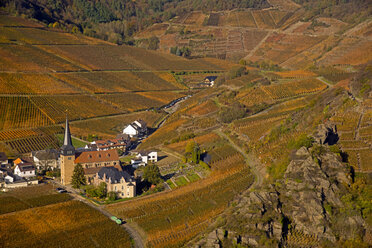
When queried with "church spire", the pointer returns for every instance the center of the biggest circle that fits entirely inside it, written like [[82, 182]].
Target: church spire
[[67, 147], [67, 140]]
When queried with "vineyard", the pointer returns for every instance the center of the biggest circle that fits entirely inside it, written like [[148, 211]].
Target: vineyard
[[21, 112], [355, 137], [164, 133], [38, 36], [268, 94], [12, 83], [173, 218], [204, 141], [279, 47], [204, 108], [31, 59], [46, 74], [68, 224], [106, 57], [35, 196]]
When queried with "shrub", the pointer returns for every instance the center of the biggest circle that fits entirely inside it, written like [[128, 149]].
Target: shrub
[[302, 140], [229, 114]]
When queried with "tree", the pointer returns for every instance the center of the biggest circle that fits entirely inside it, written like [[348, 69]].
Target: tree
[[78, 177], [195, 157], [152, 174], [102, 190], [192, 152], [112, 196]]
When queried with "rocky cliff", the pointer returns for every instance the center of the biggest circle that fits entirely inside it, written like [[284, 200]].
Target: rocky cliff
[[300, 210]]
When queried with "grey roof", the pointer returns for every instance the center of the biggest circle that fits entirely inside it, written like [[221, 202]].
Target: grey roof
[[114, 174], [46, 154], [67, 142], [211, 78]]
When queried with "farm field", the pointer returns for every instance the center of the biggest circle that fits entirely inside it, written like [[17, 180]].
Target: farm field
[[67, 224], [30, 197]]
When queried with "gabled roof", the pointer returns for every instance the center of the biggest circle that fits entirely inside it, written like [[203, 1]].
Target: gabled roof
[[114, 174], [144, 153], [46, 154], [210, 78], [23, 160], [97, 156], [140, 123], [26, 167]]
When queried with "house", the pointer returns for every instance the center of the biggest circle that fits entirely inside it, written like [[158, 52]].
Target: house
[[121, 143], [137, 162], [210, 80], [3, 158], [117, 181], [10, 180], [143, 158], [137, 128], [25, 170], [148, 156], [46, 159]]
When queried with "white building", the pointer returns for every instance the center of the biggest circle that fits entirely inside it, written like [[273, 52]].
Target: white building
[[148, 156], [136, 129], [25, 170], [143, 158], [46, 159]]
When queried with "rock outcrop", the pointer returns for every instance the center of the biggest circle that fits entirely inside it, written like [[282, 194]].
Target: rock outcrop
[[294, 213]]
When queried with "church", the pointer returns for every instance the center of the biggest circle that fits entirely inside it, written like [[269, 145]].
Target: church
[[94, 164]]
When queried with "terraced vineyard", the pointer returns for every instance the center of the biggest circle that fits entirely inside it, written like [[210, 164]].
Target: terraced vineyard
[[355, 131], [271, 93], [46, 74], [181, 214]]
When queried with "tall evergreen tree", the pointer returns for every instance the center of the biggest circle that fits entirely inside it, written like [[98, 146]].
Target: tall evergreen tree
[[78, 177]]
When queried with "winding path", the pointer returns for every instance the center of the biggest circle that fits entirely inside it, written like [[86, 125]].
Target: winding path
[[257, 168]]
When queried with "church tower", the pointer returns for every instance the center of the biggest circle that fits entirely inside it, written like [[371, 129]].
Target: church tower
[[67, 157]]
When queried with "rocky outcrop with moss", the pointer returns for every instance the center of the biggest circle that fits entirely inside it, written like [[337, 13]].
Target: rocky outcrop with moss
[[304, 209]]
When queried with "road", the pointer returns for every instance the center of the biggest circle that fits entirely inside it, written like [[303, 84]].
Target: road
[[138, 241], [257, 168]]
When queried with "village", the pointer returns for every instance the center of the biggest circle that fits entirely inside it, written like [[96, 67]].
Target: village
[[99, 160], [114, 163]]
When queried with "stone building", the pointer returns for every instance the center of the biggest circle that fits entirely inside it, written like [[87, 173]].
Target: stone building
[[91, 161], [117, 181]]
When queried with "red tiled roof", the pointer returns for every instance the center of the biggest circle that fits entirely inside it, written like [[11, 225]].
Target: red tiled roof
[[97, 156]]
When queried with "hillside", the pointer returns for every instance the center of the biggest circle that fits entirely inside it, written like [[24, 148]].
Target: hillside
[[290, 35], [252, 128], [46, 74], [275, 154]]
